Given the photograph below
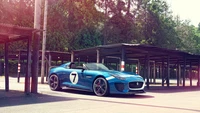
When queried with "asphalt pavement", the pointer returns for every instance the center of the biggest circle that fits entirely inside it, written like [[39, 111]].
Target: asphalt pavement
[[185, 100]]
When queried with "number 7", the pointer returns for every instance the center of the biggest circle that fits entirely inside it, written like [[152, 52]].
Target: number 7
[[74, 77]]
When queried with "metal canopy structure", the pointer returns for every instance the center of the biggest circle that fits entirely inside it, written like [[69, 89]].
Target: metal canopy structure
[[10, 33], [146, 56], [54, 55], [21, 56], [49, 57]]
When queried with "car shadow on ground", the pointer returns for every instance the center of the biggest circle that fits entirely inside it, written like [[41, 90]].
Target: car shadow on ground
[[117, 96], [172, 89], [136, 96], [16, 98], [139, 96], [133, 96]]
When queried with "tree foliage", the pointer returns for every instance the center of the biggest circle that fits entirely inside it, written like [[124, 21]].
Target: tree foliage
[[78, 24], [77, 20], [160, 30], [17, 12], [190, 37]]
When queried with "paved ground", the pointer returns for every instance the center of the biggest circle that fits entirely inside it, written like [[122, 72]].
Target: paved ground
[[186, 100]]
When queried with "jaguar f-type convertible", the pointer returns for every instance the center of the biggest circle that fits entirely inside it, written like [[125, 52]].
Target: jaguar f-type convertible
[[95, 77]]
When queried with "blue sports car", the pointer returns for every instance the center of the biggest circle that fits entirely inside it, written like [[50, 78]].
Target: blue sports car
[[95, 77]]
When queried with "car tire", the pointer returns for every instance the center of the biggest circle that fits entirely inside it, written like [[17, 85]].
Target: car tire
[[100, 86], [54, 82]]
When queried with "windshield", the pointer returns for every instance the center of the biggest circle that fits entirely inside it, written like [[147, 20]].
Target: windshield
[[96, 66]]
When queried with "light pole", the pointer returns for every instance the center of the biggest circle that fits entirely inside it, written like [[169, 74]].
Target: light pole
[[35, 55], [44, 40]]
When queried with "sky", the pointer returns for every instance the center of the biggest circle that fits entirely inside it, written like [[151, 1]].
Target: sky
[[186, 9]]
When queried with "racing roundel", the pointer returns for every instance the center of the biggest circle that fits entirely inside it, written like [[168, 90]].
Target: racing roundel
[[73, 77]]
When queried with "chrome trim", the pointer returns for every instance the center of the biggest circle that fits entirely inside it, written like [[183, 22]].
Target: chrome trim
[[137, 88]]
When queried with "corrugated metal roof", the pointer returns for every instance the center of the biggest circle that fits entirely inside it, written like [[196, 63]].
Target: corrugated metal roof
[[134, 51], [9, 33]]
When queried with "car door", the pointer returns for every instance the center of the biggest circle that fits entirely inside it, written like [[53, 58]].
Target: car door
[[75, 78], [79, 78]]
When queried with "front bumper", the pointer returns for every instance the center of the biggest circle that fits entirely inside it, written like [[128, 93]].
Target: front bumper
[[122, 87]]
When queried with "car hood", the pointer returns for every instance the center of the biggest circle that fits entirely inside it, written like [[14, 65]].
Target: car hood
[[123, 74]]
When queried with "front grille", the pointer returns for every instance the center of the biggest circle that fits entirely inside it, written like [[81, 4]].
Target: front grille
[[135, 84]]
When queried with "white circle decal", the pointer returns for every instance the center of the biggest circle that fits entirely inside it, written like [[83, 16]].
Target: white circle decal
[[73, 77]]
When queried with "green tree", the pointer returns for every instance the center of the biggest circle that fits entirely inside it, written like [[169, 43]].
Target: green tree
[[159, 26], [87, 37], [186, 33], [199, 26], [120, 23], [78, 24], [17, 12], [68, 19]]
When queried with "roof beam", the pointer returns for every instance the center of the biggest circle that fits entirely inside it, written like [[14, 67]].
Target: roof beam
[[14, 29]]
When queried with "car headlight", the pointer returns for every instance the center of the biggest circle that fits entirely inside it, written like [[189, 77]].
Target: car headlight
[[118, 77]]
